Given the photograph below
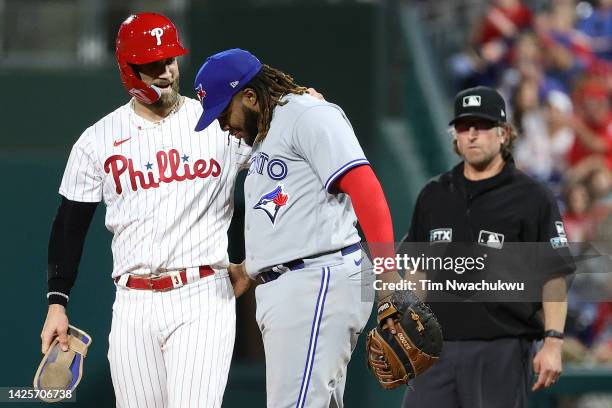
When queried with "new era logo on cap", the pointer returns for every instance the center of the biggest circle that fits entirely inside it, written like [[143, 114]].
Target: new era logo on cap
[[471, 100], [234, 84]]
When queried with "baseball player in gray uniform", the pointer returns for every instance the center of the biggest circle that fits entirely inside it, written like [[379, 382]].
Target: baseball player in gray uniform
[[308, 184]]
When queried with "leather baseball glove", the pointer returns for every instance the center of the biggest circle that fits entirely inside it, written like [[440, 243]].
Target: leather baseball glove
[[416, 346]]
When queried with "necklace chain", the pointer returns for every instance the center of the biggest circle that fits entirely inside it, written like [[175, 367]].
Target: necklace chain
[[174, 109]]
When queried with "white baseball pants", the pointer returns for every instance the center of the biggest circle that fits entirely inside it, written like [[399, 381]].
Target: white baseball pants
[[173, 349]]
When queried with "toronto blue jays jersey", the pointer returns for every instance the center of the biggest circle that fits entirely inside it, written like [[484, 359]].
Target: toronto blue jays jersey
[[292, 210]]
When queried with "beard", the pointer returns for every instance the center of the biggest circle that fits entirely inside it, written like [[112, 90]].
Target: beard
[[168, 99], [480, 159], [251, 125]]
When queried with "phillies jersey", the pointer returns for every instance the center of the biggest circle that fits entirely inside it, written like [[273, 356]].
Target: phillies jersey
[[168, 190], [291, 211]]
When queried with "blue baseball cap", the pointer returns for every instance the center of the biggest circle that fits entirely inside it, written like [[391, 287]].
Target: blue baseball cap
[[220, 78]]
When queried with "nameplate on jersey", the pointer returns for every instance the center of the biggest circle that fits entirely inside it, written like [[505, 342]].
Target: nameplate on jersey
[[441, 235], [491, 239]]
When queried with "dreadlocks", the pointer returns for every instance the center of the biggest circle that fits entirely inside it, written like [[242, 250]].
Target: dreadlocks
[[270, 85]]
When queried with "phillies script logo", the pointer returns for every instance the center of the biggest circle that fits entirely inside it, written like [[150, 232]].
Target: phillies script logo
[[168, 164]]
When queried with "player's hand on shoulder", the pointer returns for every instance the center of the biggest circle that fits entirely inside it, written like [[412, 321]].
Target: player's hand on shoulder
[[56, 324], [315, 93], [239, 278]]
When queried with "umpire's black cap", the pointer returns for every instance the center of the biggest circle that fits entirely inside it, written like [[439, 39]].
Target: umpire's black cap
[[481, 102]]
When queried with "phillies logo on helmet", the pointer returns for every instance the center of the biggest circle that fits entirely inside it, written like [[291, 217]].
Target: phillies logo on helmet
[[157, 32]]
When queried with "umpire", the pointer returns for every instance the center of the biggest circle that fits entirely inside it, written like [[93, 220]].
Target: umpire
[[485, 200]]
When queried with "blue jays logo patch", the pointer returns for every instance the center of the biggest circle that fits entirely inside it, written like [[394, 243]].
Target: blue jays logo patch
[[272, 202], [201, 93]]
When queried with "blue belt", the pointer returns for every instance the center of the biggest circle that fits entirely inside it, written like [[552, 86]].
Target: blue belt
[[270, 275]]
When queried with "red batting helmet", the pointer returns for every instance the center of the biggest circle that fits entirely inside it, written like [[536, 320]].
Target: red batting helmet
[[144, 38]]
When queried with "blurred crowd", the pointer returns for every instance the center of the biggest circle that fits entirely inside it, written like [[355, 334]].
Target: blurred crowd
[[553, 63]]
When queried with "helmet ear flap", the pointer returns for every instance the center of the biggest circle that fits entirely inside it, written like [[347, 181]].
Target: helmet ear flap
[[136, 87]]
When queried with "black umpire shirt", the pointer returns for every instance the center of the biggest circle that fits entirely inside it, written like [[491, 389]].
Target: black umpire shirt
[[509, 207]]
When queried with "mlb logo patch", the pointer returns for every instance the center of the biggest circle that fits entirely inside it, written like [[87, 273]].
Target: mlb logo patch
[[471, 100], [491, 239], [441, 235]]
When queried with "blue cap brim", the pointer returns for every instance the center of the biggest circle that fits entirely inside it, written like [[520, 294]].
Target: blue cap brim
[[210, 114]]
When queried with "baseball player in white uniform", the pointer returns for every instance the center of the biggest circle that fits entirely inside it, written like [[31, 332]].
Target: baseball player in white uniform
[[308, 178], [168, 193]]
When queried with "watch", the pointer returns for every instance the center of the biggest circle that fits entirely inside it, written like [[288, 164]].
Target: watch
[[553, 333]]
